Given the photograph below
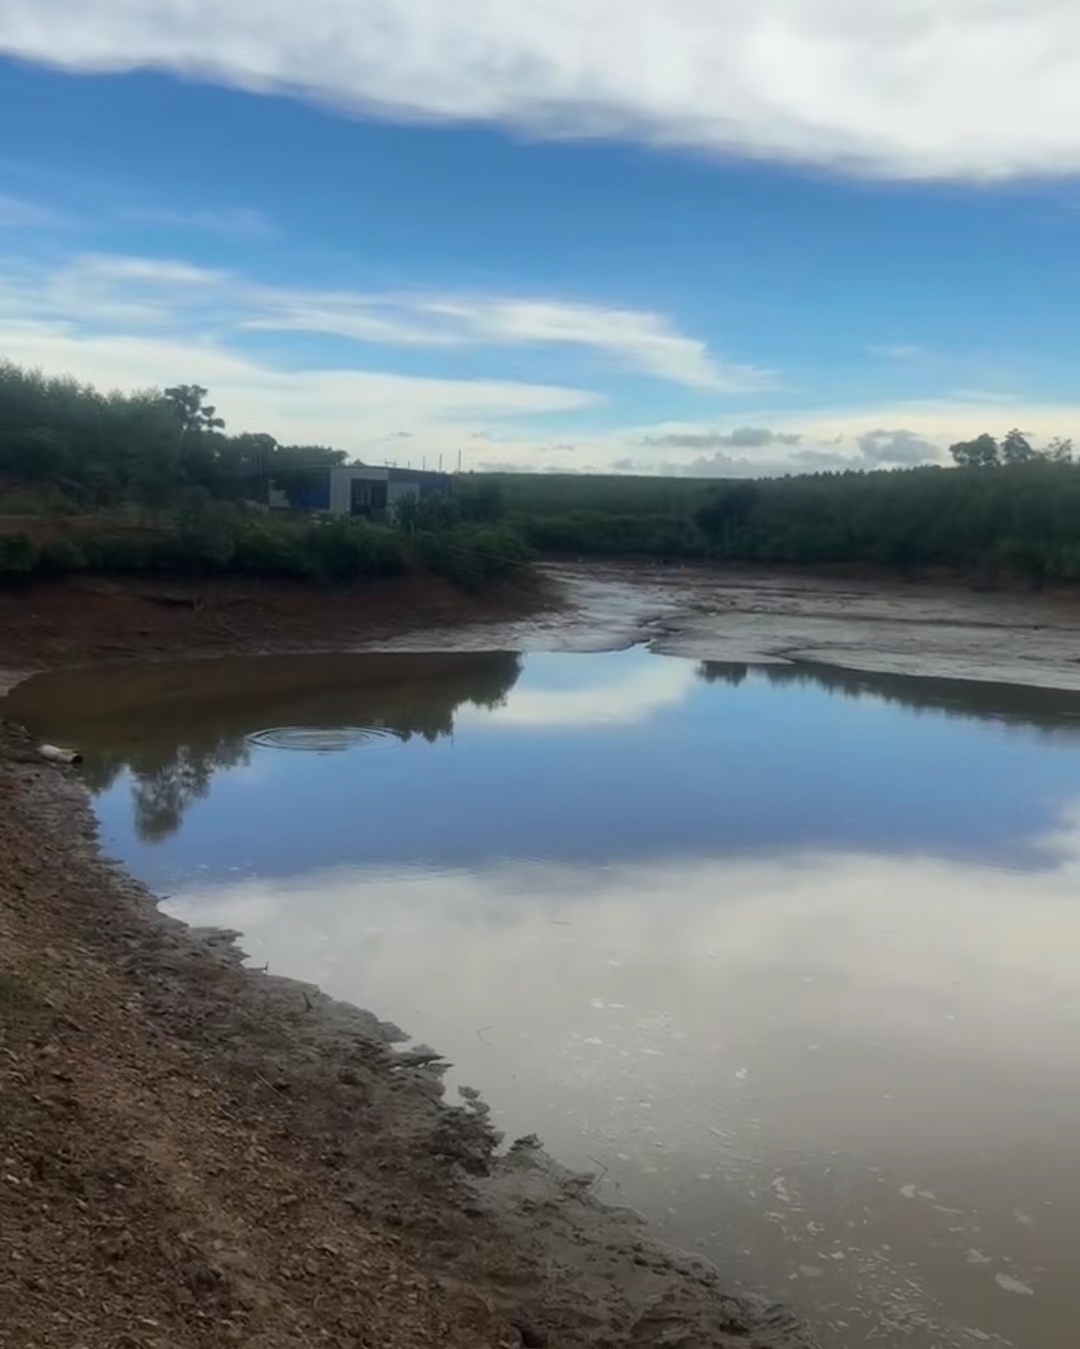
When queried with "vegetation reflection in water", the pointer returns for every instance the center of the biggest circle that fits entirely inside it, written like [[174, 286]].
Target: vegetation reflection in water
[[788, 952], [171, 729]]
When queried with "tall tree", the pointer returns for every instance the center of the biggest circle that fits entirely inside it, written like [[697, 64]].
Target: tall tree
[[1059, 450], [192, 412], [1016, 448], [198, 422], [982, 452]]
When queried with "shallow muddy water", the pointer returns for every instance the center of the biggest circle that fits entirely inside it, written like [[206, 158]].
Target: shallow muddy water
[[789, 956]]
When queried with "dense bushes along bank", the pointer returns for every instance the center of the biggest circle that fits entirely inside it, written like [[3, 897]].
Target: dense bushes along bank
[[219, 539], [1022, 518]]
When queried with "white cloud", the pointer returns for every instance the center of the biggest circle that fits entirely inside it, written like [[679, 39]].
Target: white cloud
[[239, 221], [16, 213], [626, 701], [972, 89], [151, 291], [354, 409], [945, 420], [897, 351], [741, 438], [640, 340], [360, 318], [134, 323], [630, 339], [876, 436], [880, 448]]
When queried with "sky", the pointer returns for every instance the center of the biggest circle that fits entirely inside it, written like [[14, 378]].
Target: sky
[[666, 236]]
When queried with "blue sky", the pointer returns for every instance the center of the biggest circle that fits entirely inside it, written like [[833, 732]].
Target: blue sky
[[566, 234]]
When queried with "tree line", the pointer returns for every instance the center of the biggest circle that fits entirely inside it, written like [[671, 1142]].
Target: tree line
[[166, 456], [1014, 448], [152, 482], [1006, 508], [80, 448]]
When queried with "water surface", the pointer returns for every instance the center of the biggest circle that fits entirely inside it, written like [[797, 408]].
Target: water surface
[[789, 955]]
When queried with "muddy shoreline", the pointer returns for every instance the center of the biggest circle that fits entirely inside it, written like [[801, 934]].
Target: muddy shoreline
[[48, 625], [196, 1153], [871, 624]]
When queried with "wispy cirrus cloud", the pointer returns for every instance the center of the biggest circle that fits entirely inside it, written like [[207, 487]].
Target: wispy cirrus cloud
[[361, 411], [897, 88], [897, 351], [17, 213], [124, 322], [176, 294], [631, 339], [243, 222], [642, 341]]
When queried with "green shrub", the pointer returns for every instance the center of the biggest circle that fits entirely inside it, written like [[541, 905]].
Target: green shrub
[[205, 537], [124, 551], [342, 550], [222, 540], [469, 555], [443, 556], [273, 548]]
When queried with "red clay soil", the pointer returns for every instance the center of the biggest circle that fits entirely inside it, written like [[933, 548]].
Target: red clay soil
[[89, 620]]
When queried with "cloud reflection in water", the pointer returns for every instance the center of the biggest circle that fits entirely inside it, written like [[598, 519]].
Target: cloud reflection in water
[[870, 1042]]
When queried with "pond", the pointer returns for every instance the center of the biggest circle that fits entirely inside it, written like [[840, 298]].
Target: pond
[[788, 955]]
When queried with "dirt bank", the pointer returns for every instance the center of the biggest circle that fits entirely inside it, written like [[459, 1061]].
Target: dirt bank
[[196, 1154], [92, 620], [870, 623]]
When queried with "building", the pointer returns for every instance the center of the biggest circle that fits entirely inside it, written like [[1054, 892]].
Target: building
[[358, 489]]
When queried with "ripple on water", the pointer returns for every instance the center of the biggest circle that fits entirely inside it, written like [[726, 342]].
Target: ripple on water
[[319, 739]]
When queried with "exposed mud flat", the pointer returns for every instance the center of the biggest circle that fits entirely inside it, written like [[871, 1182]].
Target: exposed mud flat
[[874, 625]]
